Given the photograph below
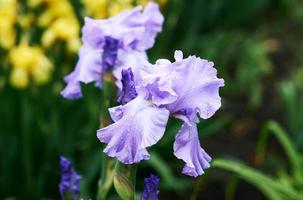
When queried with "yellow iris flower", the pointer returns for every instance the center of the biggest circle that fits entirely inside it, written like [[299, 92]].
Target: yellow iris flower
[[8, 15], [107, 8], [29, 62], [60, 22]]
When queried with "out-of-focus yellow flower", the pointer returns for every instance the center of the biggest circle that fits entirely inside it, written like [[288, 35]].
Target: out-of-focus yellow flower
[[65, 29], [25, 21], [55, 9], [29, 62], [119, 5], [60, 22], [34, 3], [96, 8], [8, 15], [107, 8], [144, 2]]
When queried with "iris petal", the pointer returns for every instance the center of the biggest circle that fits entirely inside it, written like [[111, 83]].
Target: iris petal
[[138, 125], [187, 147]]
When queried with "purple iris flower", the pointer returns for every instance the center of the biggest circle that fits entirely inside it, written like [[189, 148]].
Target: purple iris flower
[[69, 183], [117, 43], [150, 188], [185, 89]]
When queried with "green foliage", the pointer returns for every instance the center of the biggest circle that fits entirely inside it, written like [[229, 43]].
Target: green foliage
[[283, 186], [292, 101], [270, 187]]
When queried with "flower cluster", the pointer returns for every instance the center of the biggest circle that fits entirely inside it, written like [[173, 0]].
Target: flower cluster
[[114, 44], [70, 180], [187, 89]]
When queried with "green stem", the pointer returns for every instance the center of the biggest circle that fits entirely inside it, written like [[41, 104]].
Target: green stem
[[26, 137], [107, 175], [125, 180]]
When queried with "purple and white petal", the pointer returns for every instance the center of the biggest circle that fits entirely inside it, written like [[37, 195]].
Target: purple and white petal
[[138, 125], [73, 87], [88, 69], [133, 28], [193, 81], [197, 86], [153, 20], [187, 147]]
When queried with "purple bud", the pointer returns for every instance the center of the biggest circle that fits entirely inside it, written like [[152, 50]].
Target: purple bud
[[128, 92], [69, 183], [151, 188]]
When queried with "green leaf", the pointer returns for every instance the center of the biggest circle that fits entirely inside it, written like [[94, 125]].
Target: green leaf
[[290, 150], [265, 183]]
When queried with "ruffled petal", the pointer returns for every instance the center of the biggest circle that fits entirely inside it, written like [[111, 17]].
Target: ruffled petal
[[192, 82], [197, 86], [187, 147], [138, 124], [73, 87], [88, 69], [133, 28], [153, 20]]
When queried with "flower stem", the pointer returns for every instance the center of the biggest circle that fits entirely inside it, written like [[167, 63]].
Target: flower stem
[[107, 175], [125, 180]]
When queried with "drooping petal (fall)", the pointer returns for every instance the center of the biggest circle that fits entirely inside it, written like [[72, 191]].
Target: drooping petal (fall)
[[187, 147], [138, 125]]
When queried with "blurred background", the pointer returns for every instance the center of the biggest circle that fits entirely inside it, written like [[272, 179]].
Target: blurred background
[[255, 139]]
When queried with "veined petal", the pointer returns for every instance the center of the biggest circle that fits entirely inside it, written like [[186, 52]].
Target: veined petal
[[187, 147], [138, 124]]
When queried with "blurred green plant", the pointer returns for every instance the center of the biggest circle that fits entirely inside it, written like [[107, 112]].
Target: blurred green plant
[[283, 185], [292, 100]]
